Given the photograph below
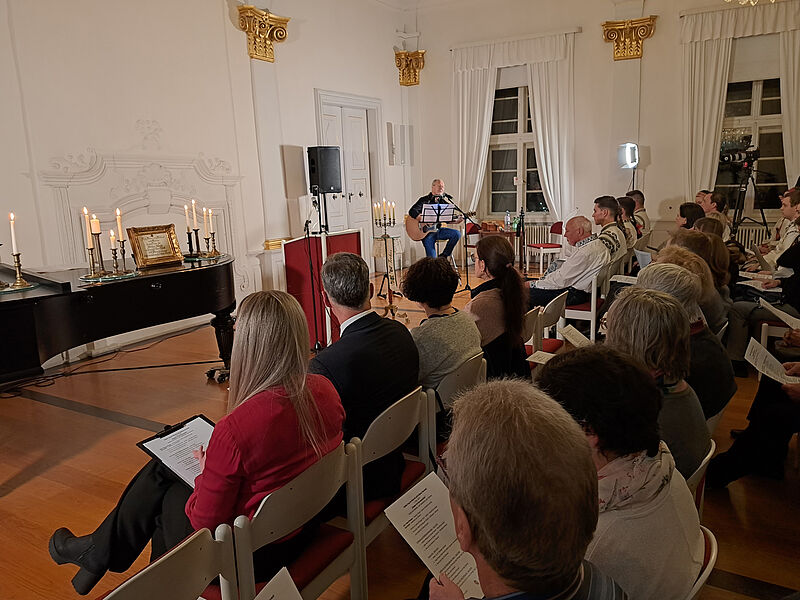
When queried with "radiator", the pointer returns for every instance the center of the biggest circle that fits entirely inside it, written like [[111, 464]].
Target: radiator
[[752, 234], [537, 234]]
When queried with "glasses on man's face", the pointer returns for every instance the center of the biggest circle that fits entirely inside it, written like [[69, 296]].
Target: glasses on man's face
[[441, 462]]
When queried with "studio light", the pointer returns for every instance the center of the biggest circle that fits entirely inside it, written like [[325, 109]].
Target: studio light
[[628, 155]]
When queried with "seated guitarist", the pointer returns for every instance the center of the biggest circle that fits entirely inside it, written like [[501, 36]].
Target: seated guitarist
[[437, 196]]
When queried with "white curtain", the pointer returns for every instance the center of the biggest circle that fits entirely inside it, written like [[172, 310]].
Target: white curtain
[[706, 66], [790, 102], [552, 109], [474, 78], [473, 99]]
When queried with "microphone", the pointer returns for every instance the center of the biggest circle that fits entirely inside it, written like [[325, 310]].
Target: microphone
[[448, 196]]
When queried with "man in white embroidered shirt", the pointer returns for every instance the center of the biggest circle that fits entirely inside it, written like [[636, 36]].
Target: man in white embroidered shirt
[[574, 274]]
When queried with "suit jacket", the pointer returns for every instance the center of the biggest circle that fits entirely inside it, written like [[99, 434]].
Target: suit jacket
[[373, 364]]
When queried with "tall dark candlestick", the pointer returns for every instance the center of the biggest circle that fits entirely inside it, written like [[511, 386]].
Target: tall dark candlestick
[[197, 240], [191, 246]]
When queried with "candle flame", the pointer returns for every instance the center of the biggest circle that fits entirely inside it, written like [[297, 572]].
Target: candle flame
[[85, 210], [210, 212], [111, 232], [94, 216], [118, 213], [204, 209], [192, 201], [11, 216], [185, 207]]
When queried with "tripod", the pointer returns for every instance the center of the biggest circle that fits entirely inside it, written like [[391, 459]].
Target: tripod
[[467, 218], [745, 179]]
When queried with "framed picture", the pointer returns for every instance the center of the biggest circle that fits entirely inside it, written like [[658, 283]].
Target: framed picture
[[155, 246]]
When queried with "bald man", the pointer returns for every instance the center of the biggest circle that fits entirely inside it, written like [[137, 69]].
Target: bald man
[[574, 275]]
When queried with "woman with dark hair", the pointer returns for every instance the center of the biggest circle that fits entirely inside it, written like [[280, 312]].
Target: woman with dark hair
[[648, 534], [446, 338], [280, 421], [688, 213], [627, 205], [497, 306]]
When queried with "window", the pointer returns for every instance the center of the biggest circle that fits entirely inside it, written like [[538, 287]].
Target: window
[[753, 118], [513, 175]]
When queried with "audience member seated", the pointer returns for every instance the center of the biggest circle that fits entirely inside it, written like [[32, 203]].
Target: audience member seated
[[761, 448], [714, 309], [648, 535], [782, 226], [523, 492], [447, 337], [746, 316], [790, 203], [724, 257], [710, 370], [626, 205], [715, 205], [497, 306], [688, 214], [654, 328], [640, 214], [574, 274], [608, 215], [373, 364], [280, 421]]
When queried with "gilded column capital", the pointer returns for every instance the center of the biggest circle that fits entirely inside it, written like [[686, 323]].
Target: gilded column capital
[[409, 65], [262, 29], [628, 36]]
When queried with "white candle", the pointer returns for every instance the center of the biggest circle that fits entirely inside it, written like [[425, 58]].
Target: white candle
[[210, 221], [89, 242], [384, 208], [119, 226], [95, 224], [112, 238], [194, 213], [205, 222], [392, 211], [13, 234], [375, 210], [186, 212]]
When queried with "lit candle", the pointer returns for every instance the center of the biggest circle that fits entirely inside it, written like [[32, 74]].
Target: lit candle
[[13, 234], [210, 221], [119, 226], [186, 212], [205, 222], [95, 224], [375, 210], [194, 213], [89, 242], [112, 238], [383, 213], [392, 211]]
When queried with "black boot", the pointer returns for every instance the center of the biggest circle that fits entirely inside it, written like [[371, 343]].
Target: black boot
[[66, 548]]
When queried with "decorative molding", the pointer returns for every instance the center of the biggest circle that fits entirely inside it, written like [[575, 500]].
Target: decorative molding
[[262, 29], [151, 134], [628, 36], [409, 65]]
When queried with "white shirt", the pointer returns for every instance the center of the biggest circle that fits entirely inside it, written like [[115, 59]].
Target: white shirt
[[641, 215], [587, 258], [787, 239], [352, 320]]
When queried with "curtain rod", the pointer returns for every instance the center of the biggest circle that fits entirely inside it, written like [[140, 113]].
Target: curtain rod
[[517, 39]]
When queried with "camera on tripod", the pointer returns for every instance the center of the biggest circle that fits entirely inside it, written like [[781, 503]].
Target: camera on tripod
[[745, 156]]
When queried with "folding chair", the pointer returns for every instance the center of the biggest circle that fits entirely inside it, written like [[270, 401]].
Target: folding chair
[[332, 552], [709, 560], [697, 480], [186, 571]]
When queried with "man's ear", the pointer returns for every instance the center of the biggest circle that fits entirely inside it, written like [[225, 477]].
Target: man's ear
[[371, 290], [463, 529], [325, 299]]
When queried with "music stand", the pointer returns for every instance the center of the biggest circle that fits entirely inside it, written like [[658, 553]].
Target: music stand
[[437, 213]]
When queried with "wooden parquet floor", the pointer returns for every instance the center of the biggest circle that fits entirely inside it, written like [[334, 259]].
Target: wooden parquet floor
[[67, 450]]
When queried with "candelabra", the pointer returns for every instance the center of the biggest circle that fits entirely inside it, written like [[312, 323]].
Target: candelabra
[[122, 253], [197, 241], [100, 271], [214, 251], [115, 262], [207, 253], [19, 282], [389, 276], [92, 269]]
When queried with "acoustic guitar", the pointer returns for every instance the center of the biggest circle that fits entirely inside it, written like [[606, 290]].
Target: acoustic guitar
[[416, 230]]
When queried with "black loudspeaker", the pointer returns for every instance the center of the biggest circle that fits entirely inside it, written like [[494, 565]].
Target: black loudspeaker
[[324, 170]]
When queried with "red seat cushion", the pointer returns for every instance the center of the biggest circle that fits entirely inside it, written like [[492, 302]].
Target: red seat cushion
[[551, 345], [472, 228], [413, 471], [587, 306], [544, 245], [528, 349]]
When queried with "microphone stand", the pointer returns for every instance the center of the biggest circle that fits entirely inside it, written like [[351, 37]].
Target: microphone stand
[[464, 239]]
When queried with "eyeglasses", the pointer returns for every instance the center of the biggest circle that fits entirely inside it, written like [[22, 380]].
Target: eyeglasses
[[441, 462]]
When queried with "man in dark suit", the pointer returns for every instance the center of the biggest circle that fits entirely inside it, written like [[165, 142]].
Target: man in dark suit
[[373, 364]]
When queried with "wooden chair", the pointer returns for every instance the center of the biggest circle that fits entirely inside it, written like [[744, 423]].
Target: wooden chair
[[186, 571], [697, 481], [551, 248], [709, 560], [588, 310], [332, 552]]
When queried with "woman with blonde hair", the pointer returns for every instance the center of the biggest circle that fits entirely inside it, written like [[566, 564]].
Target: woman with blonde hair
[[653, 327], [280, 421]]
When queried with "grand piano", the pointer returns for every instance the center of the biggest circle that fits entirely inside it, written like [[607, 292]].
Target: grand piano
[[63, 312]]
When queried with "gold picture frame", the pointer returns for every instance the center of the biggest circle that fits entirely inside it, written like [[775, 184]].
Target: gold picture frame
[[155, 246]]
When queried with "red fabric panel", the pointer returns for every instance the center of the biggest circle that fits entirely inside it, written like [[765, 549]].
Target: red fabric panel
[[544, 245], [329, 543], [557, 227], [587, 306], [551, 345], [411, 473]]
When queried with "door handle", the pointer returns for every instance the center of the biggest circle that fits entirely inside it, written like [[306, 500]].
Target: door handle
[[350, 197], [360, 194]]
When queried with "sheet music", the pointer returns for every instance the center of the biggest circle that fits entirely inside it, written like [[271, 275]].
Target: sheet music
[[574, 337], [175, 449], [767, 364], [643, 258], [423, 517], [791, 321], [760, 258], [540, 357], [748, 275], [756, 284], [280, 587], [443, 213], [627, 279]]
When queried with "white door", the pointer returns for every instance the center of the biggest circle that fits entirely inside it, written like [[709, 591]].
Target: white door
[[332, 136], [355, 159]]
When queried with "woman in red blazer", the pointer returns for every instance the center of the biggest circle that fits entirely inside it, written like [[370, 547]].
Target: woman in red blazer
[[280, 421]]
